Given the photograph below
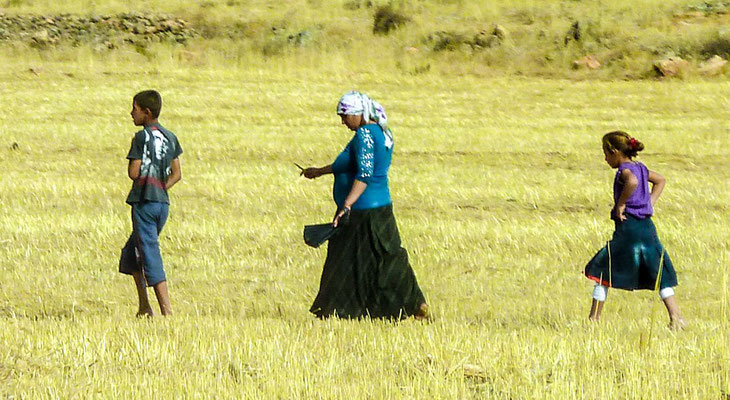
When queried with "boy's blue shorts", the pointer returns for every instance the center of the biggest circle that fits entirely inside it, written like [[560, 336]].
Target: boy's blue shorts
[[142, 251]]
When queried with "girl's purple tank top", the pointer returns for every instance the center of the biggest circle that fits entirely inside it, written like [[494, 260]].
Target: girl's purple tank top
[[639, 203]]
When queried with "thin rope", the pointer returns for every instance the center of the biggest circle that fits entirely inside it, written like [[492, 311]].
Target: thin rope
[[610, 273]]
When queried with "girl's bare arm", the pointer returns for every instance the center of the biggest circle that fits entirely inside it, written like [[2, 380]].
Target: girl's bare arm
[[630, 185], [657, 185]]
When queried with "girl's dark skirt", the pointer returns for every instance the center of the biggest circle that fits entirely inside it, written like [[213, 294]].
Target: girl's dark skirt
[[367, 273], [633, 259]]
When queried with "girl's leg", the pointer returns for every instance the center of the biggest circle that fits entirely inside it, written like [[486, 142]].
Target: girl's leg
[[676, 322], [596, 309], [599, 297]]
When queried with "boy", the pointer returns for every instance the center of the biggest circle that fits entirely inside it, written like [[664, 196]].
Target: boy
[[154, 168]]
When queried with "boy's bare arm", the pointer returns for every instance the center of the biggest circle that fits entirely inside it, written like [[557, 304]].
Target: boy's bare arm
[[175, 175], [133, 169], [657, 185]]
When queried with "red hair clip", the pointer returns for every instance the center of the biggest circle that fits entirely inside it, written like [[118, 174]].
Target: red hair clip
[[633, 143]]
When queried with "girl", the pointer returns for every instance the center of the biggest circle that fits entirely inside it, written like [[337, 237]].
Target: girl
[[634, 258]]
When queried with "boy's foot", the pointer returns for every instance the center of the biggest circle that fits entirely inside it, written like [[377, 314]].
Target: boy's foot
[[677, 324], [422, 312]]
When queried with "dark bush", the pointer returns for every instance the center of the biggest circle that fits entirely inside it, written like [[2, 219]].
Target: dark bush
[[356, 4], [448, 41], [388, 19], [717, 46], [574, 33]]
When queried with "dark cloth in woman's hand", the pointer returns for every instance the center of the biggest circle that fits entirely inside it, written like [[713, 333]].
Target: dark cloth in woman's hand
[[315, 235]]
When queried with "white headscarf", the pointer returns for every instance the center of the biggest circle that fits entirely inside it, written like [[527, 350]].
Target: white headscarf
[[356, 103]]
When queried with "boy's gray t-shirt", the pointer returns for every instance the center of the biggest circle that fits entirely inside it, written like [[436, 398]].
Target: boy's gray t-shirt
[[156, 147]]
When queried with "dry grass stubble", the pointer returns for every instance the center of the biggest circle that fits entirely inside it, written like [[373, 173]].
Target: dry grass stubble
[[501, 194]]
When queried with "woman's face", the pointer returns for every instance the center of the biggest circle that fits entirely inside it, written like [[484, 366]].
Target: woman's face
[[351, 121]]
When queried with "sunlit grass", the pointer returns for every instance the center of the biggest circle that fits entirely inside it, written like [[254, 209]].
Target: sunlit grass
[[501, 195]]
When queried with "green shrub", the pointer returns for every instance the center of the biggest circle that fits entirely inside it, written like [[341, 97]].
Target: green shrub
[[356, 4], [717, 45], [387, 19], [711, 7], [450, 41]]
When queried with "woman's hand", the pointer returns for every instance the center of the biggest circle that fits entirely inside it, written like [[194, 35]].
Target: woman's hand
[[342, 213], [311, 173], [619, 212]]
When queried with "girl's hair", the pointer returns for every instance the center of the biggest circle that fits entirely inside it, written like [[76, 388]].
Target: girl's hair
[[623, 142]]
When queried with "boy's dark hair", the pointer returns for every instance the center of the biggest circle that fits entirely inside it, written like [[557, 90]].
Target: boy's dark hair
[[623, 142], [149, 99]]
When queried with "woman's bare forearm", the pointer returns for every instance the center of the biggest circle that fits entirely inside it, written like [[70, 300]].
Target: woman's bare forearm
[[314, 172], [358, 187], [325, 170]]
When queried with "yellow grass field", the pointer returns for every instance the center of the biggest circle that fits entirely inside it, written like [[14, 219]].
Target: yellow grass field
[[501, 194]]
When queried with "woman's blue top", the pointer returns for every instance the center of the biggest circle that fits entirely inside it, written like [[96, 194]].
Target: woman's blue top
[[366, 159]]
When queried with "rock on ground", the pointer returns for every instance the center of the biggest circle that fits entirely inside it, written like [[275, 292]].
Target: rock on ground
[[713, 66], [671, 66], [588, 62]]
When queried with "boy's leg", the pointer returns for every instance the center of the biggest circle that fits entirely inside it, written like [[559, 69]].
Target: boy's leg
[[151, 218], [600, 293], [676, 322], [163, 298], [130, 264], [145, 309]]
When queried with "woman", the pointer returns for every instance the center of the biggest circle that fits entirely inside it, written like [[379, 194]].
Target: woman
[[367, 271]]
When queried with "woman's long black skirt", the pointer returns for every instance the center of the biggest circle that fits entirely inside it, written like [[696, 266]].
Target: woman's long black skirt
[[367, 273]]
